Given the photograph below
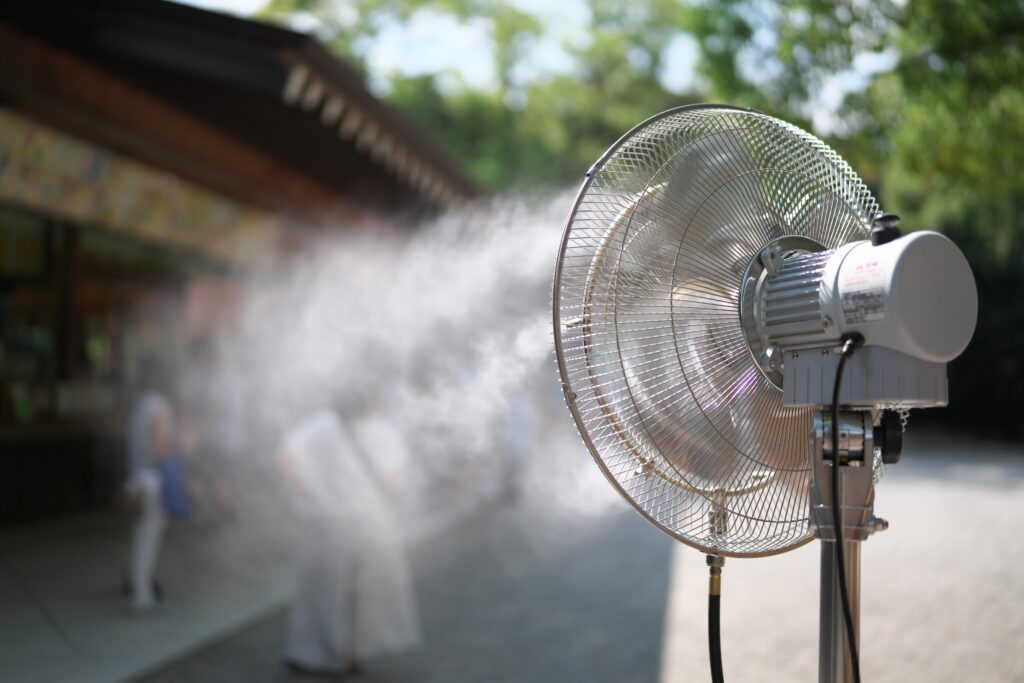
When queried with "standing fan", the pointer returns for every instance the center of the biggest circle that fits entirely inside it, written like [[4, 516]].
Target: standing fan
[[718, 271]]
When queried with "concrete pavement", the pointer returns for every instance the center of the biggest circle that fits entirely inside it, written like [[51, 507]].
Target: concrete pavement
[[63, 620], [510, 595], [569, 588]]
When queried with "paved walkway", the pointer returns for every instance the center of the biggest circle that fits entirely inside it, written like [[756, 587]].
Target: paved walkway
[[554, 591], [509, 596], [564, 584], [63, 620]]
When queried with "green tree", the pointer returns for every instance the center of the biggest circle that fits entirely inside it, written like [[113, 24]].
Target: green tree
[[524, 132], [939, 135], [938, 132]]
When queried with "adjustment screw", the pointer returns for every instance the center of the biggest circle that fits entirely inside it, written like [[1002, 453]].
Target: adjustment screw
[[889, 437]]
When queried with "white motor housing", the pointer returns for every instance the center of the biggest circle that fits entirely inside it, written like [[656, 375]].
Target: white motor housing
[[913, 300], [915, 295]]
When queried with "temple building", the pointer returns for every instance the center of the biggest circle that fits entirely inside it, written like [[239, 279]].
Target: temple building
[[152, 156]]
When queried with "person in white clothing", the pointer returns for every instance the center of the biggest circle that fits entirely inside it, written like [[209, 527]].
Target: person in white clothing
[[150, 436], [355, 597], [381, 441]]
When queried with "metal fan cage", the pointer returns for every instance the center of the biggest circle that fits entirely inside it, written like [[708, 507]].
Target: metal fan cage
[[655, 365]]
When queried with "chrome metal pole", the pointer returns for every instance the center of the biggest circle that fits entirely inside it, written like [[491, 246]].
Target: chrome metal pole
[[834, 661], [856, 500]]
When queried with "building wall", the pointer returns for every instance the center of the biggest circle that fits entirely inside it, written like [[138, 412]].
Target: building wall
[[103, 262], [65, 177]]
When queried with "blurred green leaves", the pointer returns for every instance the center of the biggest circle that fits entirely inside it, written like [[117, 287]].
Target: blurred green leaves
[[531, 130], [937, 130]]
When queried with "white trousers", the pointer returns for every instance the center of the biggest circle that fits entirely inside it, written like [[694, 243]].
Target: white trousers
[[355, 598], [147, 532]]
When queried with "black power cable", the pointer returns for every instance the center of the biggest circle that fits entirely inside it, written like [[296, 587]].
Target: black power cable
[[850, 344], [714, 618]]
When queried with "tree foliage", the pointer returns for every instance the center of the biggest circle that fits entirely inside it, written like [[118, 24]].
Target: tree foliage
[[526, 131], [940, 136], [937, 131]]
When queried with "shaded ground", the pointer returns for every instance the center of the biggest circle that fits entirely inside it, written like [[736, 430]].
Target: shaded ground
[[505, 597], [63, 619]]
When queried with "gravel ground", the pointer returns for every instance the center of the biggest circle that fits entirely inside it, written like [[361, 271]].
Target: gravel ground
[[943, 588]]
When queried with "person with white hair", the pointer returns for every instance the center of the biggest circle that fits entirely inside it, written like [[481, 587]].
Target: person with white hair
[[355, 598], [150, 441]]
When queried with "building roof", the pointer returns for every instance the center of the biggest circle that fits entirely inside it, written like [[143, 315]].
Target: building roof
[[262, 113]]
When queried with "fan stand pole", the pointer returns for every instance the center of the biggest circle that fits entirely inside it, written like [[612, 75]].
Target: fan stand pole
[[834, 661], [856, 500]]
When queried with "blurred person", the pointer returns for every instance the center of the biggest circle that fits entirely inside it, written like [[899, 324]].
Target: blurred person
[[226, 434], [150, 441], [382, 442], [355, 597], [215, 407], [516, 440]]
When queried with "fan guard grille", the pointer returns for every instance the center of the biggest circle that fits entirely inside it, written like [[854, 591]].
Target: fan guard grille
[[655, 365]]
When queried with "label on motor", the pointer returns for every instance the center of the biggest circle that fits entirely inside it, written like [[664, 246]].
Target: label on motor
[[862, 287]]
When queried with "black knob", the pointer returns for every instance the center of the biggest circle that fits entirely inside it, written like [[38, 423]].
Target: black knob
[[884, 228], [889, 437]]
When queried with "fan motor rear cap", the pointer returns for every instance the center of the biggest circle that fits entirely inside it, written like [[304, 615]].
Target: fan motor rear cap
[[934, 297]]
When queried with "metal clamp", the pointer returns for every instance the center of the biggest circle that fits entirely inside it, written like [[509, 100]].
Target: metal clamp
[[856, 489]]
